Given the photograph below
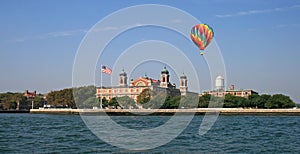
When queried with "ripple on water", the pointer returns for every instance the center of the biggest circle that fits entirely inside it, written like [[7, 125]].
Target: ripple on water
[[38, 133]]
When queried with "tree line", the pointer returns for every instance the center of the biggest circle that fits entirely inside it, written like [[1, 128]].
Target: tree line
[[85, 98], [263, 101], [17, 101], [151, 99]]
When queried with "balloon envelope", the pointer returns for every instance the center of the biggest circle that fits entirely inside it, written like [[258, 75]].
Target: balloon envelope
[[202, 35]]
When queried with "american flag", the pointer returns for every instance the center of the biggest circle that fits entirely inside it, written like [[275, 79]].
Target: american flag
[[106, 70]]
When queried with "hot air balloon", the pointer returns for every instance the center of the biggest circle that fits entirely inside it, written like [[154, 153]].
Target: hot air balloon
[[202, 35]]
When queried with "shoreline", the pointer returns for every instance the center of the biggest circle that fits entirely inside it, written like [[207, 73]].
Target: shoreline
[[149, 112], [14, 111]]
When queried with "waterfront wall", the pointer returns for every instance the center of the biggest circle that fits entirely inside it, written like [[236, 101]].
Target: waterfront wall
[[197, 111]]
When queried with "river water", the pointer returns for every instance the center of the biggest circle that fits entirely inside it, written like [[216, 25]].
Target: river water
[[46, 133]]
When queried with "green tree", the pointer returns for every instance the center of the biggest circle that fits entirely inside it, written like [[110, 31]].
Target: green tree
[[91, 102], [204, 101], [13, 101], [216, 102], [242, 102], [151, 99], [262, 100], [279, 101], [167, 103], [144, 96], [20, 101], [61, 98], [38, 101], [190, 100], [230, 101], [113, 103], [126, 102], [173, 102], [253, 100], [156, 100], [104, 102], [81, 94]]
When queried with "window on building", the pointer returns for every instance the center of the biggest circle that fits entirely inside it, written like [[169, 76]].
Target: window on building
[[140, 84]]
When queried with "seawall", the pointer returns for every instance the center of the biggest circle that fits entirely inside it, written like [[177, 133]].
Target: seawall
[[197, 111], [14, 111]]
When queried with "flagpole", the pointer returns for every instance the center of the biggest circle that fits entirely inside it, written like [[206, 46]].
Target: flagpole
[[101, 89]]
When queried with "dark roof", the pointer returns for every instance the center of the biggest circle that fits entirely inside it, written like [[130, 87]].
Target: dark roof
[[123, 73], [183, 76], [165, 71]]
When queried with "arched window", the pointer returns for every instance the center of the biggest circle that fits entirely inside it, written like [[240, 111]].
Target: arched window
[[140, 83]]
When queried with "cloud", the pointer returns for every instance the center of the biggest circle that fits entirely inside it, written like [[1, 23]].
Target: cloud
[[251, 12], [108, 28], [279, 26], [112, 28], [51, 35]]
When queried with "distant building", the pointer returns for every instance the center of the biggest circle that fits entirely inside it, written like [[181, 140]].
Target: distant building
[[136, 86], [30, 94], [220, 83], [220, 90]]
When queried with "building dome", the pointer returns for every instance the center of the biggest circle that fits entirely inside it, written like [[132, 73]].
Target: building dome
[[164, 71], [183, 76], [146, 76], [123, 73], [219, 78]]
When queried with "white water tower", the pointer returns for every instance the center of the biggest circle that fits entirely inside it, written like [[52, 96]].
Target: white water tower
[[220, 83]]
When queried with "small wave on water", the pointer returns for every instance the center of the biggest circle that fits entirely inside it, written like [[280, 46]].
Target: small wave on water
[[42, 133]]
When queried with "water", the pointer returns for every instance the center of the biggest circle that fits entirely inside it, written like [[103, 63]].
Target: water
[[41, 133]]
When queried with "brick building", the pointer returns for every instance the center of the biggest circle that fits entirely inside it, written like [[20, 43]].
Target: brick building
[[136, 86]]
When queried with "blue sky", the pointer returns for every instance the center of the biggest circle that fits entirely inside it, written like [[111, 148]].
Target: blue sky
[[259, 41]]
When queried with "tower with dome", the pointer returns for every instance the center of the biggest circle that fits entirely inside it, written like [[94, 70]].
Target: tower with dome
[[220, 90]]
